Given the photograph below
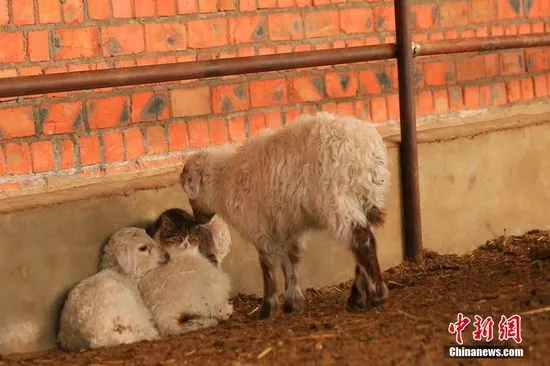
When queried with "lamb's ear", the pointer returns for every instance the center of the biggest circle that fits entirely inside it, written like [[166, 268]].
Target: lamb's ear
[[192, 184], [124, 258]]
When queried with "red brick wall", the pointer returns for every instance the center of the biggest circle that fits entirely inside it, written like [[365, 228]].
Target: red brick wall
[[106, 131]]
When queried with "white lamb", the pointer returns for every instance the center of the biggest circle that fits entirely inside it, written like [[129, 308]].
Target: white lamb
[[320, 172], [106, 309], [187, 294]]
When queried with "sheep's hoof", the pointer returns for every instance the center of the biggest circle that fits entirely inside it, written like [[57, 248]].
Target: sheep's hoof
[[354, 304], [267, 309], [292, 307], [379, 297]]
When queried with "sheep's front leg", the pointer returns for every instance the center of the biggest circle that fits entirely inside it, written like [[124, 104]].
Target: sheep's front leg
[[293, 293], [368, 277], [270, 301]]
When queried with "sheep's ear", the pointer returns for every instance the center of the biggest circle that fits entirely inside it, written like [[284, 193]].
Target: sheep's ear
[[123, 258], [192, 185]]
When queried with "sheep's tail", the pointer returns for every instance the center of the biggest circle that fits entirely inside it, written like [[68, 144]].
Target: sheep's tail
[[376, 216]]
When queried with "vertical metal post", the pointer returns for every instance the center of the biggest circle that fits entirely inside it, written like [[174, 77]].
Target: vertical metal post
[[408, 148]]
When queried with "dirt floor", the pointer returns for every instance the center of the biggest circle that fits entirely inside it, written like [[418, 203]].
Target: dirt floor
[[506, 276]]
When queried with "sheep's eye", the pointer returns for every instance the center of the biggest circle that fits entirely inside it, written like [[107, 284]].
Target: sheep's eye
[[143, 248]]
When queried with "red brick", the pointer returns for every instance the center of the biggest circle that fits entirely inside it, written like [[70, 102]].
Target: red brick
[[144, 8], [49, 11], [453, 14], [66, 154], [483, 11], [187, 6], [113, 146], [12, 49], [166, 8], [207, 33], [236, 129], [16, 122], [511, 29], [456, 101], [133, 140], [482, 32], [345, 109], [190, 102], [392, 102], [74, 43], [512, 62], [539, 9], [513, 89], [505, 10], [306, 89], [378, 109], [163, 37], [227, 5], [541, 85], [341, 84], [149, 106], [321, 24], [439, 73], [198, 133], [230, 98], [470, 68], [499, 94], [265, 93], [527, 89], [61, 117], [384, 17], [23, 12], [73, 11], [538, 59], [285, 26], [486, 96], [156, 140], [256, 123], [273, 120], [38, 46], [108, 112], [441, 101], [471, 97], [424, 16], [267, 4], [492, 65], [219, 134], [302, 3], [42, 156], [89, 150], [2, 165], [369, 81], [18, 158], [4, 16], [330, 107], [424, 103], [122, 8], [177, 137], [99, 9], [247, 29], [292, 114], [207, 6], [123, 39], [524, 29], [362, 110], [357, 20]]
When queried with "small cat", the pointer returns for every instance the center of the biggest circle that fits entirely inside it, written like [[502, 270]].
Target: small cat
[[177, 229]]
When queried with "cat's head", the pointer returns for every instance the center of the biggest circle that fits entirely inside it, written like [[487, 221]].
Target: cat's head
[[176, 229]]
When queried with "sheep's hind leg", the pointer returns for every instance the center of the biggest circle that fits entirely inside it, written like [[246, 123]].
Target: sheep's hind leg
[[293, 293], [368, 277], [270, 302]]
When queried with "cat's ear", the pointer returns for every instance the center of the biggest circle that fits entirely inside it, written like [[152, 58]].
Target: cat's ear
[[166, 223], [192, 183], [124, 258]]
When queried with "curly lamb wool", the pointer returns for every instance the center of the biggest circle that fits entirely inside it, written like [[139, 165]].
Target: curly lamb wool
[[319, 172], [106, 309]]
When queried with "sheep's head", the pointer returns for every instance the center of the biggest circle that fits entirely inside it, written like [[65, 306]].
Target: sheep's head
[[192, 181], [133, 252]]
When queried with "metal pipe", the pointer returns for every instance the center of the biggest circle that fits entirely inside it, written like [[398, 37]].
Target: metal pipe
[[408, 151], [480, 44], [41, 84]]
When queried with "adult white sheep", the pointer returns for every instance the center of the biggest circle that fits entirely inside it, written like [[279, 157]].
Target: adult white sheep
[[106, 308], [187, 294], [320, 172]]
